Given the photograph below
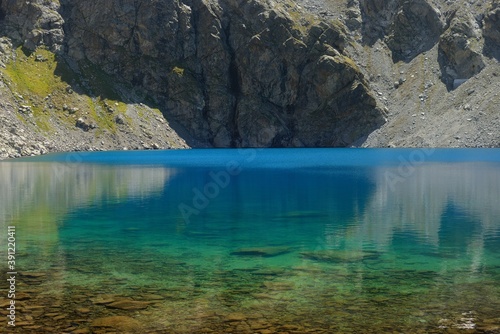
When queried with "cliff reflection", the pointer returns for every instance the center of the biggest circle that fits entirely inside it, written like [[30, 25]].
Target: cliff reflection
[[422, 202], [37, 195]]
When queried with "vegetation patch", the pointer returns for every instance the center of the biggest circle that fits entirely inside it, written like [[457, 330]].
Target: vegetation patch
[[178, 71], [50, 88], [301, 21], [35, 77]]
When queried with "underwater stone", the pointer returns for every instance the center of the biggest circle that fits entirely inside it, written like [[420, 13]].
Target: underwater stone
[[279, 286], [235, 317], [128, 304], [32, 274], [262, 251], [338, 256], [122, 323], [103, 299], [151, 296], [83, 310]]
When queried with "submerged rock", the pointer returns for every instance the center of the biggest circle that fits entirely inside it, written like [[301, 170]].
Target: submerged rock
[[339, 255], [32, 274], [269, 272], [118, 322], [302, 215], [151, 296], [279, 286], [235, 317], [83, 310], [103, 299], [262, 251], [128, 304]]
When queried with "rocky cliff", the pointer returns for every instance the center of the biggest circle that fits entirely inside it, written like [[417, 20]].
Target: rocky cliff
[[230, 73], [433, 65]]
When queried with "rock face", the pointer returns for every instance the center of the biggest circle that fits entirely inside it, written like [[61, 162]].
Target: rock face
[[492, 29], [434, 66], [235, 73], [408, 27], [461, 46], [377, 18], [33, 23], [416, 28]]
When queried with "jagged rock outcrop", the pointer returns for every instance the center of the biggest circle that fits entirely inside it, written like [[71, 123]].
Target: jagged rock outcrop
[[492, 29], [353, 19], [461, 46], [408, 27], [377, 17], [33, 23], [416, 28]]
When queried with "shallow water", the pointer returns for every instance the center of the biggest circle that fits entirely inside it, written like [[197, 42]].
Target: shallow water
[[255, 241]]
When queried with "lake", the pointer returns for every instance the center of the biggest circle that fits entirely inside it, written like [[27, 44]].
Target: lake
[[253, 241]]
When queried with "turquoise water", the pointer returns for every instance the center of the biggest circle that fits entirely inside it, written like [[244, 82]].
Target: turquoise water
[[256, 241]]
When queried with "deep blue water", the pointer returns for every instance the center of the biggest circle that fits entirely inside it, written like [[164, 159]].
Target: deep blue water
[[341, 240]]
